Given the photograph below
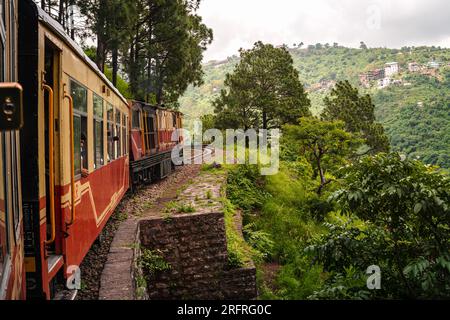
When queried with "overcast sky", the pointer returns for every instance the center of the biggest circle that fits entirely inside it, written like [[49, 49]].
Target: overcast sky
[[380, 23]]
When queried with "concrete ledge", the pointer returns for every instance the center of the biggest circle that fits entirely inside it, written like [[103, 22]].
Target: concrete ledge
[[117, 280]]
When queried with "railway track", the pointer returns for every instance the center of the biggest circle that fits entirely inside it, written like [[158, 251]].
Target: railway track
[[132, 206]]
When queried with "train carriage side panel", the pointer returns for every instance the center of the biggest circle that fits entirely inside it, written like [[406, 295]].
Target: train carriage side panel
[[52, 62]]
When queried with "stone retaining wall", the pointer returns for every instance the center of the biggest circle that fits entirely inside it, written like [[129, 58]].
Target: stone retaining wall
[[195, 246]]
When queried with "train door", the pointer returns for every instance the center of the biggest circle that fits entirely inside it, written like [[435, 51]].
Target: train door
[[54, 224]]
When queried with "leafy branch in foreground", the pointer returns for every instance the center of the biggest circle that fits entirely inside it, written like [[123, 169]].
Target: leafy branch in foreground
[[405, 205]]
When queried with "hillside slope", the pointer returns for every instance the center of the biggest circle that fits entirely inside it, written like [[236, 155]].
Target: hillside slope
[[416, 114]]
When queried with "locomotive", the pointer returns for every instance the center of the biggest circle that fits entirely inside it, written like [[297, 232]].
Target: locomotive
[[80, 148]]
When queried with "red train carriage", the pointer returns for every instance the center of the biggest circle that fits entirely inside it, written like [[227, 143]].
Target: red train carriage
[[12, 273], [75, 160], [73, 152], [151, 142]]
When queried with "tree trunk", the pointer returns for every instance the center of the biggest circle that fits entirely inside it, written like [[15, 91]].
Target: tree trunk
[[100, 59], [115, 65], [61, 13], [72, 20], [323, 180], [265, 121]]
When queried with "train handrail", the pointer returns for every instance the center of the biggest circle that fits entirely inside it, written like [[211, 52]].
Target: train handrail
[[51, 133], [72, 161]]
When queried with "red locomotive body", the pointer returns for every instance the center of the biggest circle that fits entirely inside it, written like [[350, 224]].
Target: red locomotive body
[[154, 133]]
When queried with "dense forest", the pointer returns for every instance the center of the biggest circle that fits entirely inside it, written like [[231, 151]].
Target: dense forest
[[151, 50], [417, 131]]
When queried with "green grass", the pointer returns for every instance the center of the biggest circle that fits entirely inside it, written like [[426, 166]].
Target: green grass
[[281, 226], [240, 254]]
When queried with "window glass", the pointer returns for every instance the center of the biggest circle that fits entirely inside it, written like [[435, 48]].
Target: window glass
[[98, 134], [2, 13], [77, 146], [98, 107], [135, 119], [110, 133], [118, 134], [98, 131], [127, 137], [110, 112], [79, 95], [124, 135]]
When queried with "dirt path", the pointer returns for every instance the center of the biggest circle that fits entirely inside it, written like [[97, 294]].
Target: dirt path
[[147, 199]]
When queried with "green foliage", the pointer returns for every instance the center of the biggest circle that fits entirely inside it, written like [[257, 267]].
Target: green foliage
[[185, 208], [121, 85], [416, 117], [325, 144], [259, 240], [279, 224], [406, 208], [300, 279], [245, 187], [152, 262], [349, 285], [262, 92], [239, 252], [358, 113], [165, 49]]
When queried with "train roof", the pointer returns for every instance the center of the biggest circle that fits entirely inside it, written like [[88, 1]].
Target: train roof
[[56, 27], [148, 105]]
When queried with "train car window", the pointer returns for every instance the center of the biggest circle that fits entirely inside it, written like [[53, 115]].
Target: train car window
[[76, 143], [110, 133], [4, 236], [174, 117], [2, 12], [118, 134], [98, 131], [135, 118], [124, 135], [127, 137], [79, 95]]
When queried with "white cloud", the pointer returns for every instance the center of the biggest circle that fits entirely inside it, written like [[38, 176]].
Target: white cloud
[[240, 23]]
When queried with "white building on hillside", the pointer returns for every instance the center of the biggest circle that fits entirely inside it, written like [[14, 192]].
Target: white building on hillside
[[391, 69], [384, 83], [433, 65], [413, 67]]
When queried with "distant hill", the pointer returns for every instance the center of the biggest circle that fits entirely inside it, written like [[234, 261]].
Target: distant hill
[[415, 111]]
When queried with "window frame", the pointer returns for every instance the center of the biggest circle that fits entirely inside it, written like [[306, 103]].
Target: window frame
[[111, 150], [118, 132], [80, 114], [98, 120], [124, 134]]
